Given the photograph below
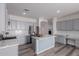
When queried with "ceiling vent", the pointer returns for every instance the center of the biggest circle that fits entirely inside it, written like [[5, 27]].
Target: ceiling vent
[[26, 10]]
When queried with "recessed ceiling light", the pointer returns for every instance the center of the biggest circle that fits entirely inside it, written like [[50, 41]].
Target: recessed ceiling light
[[58, 11], [24, 13], [25, 10]]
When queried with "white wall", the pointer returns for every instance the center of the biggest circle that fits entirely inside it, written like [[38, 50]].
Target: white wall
[[2, 17]]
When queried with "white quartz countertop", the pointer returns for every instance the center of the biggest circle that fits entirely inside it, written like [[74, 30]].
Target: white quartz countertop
[[8, 43], [47, 36]]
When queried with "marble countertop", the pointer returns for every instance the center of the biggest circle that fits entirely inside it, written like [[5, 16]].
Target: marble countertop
[[8, 43], [46, 36]]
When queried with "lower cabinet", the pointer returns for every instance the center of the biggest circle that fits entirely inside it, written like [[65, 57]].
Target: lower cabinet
[[41, 44], [22, 40], [77, 43], [60, 39]]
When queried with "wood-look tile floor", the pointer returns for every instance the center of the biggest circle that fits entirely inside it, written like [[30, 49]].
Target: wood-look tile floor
[[58, 50]]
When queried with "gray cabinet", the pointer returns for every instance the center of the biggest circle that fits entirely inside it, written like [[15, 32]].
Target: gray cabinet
[[60, 39], [61, 25], [69, 26], [65, 25], [77, 43], [58, 25], [18, 26], [22, 39], [76, 25], [13, 25], [22, 25]]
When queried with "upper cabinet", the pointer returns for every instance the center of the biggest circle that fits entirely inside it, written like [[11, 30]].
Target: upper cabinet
[[22, 25], [68, 25], [63, 25], [58, 26], [13, 25], [76, 24]]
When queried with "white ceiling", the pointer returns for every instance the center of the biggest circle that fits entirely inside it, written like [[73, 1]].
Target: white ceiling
[[47, 10]]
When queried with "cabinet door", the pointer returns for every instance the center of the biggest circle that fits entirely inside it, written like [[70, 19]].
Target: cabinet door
[[22, 25], [58, 25], [76, 25], [13, 25], [22, 39], [69, 25], [18, 25], [60, 39], [63, 25]]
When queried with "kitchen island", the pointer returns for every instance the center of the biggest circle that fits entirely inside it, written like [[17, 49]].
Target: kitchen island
[[9, 47], [41, 44]]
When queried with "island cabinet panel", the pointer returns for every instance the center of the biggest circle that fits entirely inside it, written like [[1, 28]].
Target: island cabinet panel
[[41, 44], [44, 45]]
